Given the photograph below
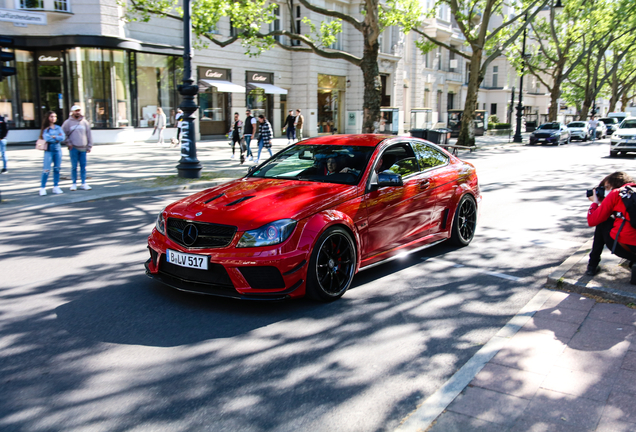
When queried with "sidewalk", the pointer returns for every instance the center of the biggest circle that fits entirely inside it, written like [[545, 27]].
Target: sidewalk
[[118, 170]]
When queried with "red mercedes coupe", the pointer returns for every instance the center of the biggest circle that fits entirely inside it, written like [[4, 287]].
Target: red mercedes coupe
[[307, 220]]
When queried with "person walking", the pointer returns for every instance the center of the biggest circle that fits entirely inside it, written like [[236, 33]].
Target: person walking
[[593, 126], [298, 125], [290, 127], [179, 120], [80, 142], [264, 137], [249, 130], [53, 135], [235, 134], [160, 124], [4, 131]]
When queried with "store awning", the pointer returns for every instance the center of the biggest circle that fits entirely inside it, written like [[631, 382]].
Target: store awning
[[222, 86], [269, 89]]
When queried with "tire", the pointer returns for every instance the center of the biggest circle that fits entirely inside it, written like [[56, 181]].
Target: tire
[[613, 153], [331, 266], [464, 222]]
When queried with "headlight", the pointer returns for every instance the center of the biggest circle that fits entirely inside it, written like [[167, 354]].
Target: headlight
[[267, 235], [161, 222]]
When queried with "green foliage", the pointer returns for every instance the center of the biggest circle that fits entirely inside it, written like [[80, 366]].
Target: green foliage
[[493, 119], [498, 125]]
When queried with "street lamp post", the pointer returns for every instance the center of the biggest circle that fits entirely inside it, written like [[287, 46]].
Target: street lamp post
[[517, 138], [189, 166]]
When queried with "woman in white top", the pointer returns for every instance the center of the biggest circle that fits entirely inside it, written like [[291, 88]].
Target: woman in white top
[[160, 124]]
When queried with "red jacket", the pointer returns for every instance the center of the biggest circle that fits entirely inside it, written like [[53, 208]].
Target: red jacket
[[600, 213]]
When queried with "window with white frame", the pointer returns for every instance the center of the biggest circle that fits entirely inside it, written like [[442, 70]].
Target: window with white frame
[[338, 43], [495, 76], [31, 4], [275, 25], [61, 5], [54, 5]]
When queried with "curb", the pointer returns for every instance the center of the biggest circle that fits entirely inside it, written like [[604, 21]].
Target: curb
[[558, 280]]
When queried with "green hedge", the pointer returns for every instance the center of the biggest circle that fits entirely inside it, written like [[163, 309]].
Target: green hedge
[[499, 126]]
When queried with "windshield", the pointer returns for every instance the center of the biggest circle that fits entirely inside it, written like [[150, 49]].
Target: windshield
[[609, 120], [318, 163], [576, 124], [550, 126], [628, 124]]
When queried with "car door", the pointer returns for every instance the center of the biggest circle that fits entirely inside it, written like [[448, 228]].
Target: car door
[[442, 180], [394, 212]]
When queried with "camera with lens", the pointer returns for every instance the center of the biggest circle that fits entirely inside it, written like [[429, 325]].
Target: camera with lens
[[600, 192]]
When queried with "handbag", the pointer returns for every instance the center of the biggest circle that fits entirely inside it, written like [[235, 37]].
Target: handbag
[[41, 145]]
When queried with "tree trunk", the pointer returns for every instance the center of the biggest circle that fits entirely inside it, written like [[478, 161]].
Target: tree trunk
[[555, 93], [585, 108], [615, 95], [372, 90], [624, 99], [467, 130]]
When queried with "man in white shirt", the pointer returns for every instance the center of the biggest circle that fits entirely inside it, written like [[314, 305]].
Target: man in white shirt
[[593, 126]]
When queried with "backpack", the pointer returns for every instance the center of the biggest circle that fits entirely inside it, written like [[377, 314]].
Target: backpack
[[628, 196]]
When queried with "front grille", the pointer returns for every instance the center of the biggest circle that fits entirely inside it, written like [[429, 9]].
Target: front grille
[[263, 277], [215, 275], [210, 235]]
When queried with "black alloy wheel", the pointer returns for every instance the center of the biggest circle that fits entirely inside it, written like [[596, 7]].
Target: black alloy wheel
[[332, 265], [465, 222]]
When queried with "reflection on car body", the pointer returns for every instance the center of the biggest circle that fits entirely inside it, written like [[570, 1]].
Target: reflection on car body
[[293, 227]]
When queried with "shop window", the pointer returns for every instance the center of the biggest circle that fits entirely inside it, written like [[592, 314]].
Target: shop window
[[157, 78], [100, 84], [330, 93], [17, 93]]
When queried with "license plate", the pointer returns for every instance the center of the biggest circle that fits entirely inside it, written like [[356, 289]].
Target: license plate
[[187, 260], [541, 139], [631, 141]]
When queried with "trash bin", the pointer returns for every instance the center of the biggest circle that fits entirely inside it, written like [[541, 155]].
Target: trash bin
[[434, 136], [419, 133], [444, 135]]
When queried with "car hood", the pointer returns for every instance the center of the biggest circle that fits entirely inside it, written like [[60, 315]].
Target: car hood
[[577, 129], [250, 203], [545, 131], [626, 131]]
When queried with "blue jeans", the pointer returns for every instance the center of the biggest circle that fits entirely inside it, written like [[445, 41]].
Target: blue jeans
[[3, 150], [76, 156], [291, 133], [54, 155], [593, 133], [248, 138], [260, 147]]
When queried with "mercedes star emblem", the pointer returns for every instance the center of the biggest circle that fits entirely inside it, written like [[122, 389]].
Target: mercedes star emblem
[[190, 234]]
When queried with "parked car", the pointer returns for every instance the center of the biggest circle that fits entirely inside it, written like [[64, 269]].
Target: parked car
[[579, 130], [550, 133], [619, 116], [624, 139], [611, 123], [296, 226]]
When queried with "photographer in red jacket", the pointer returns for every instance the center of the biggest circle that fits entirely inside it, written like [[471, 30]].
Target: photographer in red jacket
[[607, 215]]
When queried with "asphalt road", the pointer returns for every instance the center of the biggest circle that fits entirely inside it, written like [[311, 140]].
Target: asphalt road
[[89, 343]]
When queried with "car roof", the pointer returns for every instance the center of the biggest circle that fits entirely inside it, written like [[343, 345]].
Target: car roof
[[362, 140]]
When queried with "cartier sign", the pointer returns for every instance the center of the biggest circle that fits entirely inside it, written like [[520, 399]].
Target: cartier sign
[[213, 73], [50, 58], [260, 77]]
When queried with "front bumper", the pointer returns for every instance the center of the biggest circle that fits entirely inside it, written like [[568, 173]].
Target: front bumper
[[623, 144], [578, 134], [544, 140], [266, 273]]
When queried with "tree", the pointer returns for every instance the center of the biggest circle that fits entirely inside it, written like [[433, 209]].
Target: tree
[[249, 16], [560, 42], [623, 81], [486, 41]]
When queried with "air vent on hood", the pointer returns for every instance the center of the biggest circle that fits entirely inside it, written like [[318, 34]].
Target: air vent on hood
[[213, 198], [240, 200]]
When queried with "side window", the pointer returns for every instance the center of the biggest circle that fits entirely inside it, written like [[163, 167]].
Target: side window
[[399, 159], [429, 157]]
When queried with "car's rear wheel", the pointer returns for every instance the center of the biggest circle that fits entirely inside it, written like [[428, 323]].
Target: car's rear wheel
[[465, 221], [331, 266]]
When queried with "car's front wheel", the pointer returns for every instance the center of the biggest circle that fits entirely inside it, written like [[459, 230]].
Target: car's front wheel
[[465, 222], [332, 265], [613, 153]]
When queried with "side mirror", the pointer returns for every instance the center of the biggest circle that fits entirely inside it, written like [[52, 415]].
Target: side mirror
[[388, 178], [251, 169]]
